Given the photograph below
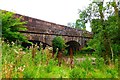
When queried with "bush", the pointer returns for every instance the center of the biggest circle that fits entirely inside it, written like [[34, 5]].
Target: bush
[[11, 27], [87, 50], [58, 42]]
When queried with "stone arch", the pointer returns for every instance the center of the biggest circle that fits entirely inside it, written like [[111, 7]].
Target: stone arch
[[24, 44], [74, 45]]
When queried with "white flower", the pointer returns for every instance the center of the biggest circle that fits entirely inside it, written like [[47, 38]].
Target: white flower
[[21, 69], [16, 51], [12, 42], [2, 41], [24, 53], [24, 66], [20, 49]]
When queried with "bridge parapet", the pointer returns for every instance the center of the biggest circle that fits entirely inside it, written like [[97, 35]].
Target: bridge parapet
[[45, 31], [40, 26]]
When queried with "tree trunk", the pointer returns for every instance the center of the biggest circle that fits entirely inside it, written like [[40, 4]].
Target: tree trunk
[[59, 58], [105, 35], [71, 57]]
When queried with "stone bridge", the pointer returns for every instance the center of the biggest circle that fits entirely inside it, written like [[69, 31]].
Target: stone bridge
[[43, 31]]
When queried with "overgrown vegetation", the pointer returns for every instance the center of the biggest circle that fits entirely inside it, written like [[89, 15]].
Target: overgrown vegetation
[[58, 42], [104, 19], [18, 63], [102, 62], [11, 27]]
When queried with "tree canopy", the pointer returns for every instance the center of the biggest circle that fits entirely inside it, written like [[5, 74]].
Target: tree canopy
[[104, 21], [11, 27], [58, 42]]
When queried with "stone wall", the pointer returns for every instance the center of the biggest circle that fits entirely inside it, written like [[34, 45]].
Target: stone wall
[[44, 31]]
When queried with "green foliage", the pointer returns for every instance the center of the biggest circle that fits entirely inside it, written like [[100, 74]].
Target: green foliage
[[105, 28], [11, 26], [77, 73], [0, 25], [85, 69], [87, 64], [99, 63], [80, 23], [17, 63], [87, 50], [58, 42]]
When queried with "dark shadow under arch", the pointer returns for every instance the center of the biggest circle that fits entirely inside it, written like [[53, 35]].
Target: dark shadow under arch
[[24, 44], [74, 45]]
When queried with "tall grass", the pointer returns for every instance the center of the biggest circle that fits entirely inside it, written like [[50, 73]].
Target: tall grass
[[32, 63], [0, 58]]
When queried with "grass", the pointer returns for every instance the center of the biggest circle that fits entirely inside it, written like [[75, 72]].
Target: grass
[[19, 63], [0, 59]]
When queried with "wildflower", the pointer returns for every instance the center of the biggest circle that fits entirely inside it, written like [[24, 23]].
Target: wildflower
[[21, 69], [11, 66], [8, 45], [15, 51], [50, 48], [24, 66], [17, 56], [5, 71], [3, 41], [57, 49], [12, 43], [38, 47], [24, 53], [41, 44], [20, 49]]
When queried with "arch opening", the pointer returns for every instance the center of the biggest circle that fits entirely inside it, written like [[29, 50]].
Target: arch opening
[[75, 46], [24, 44]]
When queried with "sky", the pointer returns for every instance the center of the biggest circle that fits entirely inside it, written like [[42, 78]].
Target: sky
[[56, 11]]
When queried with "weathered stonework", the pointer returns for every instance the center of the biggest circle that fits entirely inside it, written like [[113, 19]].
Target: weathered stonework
[[44, 31]]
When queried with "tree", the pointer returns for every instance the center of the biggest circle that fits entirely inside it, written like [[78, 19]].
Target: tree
[[58, 43], [104, 23], [80, 23], [11, 27]]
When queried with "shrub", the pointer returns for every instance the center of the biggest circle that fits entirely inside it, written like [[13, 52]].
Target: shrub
[[11, 27], [58, 42], [87, 50]]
